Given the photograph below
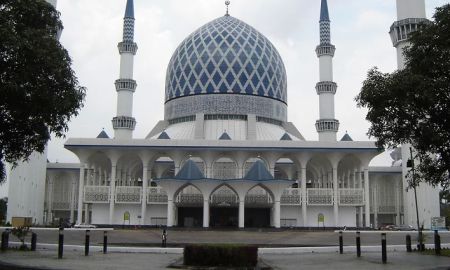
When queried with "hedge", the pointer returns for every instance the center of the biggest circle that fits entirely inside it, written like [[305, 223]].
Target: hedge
[[221, 255]]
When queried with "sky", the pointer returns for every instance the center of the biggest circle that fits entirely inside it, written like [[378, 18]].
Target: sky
[[92, 29]]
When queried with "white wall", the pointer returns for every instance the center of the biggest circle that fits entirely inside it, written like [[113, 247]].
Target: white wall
[[100, 213]]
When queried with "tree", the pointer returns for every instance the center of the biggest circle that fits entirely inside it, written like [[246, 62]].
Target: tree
[[3, 208], [38, 88], [412, 106]]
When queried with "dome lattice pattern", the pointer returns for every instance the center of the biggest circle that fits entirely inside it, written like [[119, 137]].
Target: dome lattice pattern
[[226, 56]]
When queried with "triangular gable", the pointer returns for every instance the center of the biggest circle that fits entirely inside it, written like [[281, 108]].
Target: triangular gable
[[346, 138], [225, 136], [190, 171], [286, 137], [258, 172], [163, 136], [102, 135]]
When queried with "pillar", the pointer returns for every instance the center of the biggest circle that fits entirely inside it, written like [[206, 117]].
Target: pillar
[[50, 200], [335, 194], [72, 201], [80, 194], [277, 212], [87, 220], [303, 183], [397, 193], [170, 212], [112, 193], [366, 194], [205, 212], [144, 193], [241, 213]]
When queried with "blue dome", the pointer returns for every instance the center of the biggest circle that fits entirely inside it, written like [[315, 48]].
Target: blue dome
[[226, 56]]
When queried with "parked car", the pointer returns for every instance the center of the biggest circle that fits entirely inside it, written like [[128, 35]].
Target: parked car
[[84, 226], [404, 228], [387, 227]]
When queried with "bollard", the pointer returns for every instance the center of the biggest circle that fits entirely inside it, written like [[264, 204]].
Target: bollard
[[408, 243], [341, 243], [437, 243], [358, 244], [105, 242], [60, 243], [33, 241], [86, 243], [383, 248], [5, 240]]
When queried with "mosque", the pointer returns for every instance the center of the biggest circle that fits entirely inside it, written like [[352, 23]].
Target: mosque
[[225, 155]]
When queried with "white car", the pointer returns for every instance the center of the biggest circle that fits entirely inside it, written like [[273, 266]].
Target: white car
[[84, 226]]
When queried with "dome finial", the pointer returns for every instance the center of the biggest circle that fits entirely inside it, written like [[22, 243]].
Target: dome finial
[[227, 3]]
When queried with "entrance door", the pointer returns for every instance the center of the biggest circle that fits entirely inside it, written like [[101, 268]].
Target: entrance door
[[257, 217], [190, 216], [224, 216]]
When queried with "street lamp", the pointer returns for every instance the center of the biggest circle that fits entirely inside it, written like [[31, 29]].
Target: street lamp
[[410, 164]]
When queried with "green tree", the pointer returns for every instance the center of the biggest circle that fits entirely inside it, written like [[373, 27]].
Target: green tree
[[413, 105], [38, 88], [3, 208]]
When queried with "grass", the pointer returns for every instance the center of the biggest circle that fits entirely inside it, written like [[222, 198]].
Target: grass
[[444, 252]]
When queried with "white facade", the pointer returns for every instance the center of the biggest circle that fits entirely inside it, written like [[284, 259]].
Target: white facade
[[225, 155]]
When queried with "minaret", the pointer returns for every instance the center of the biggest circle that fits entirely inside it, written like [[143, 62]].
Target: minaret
[[124, 123], [410, 14], [327, 126]]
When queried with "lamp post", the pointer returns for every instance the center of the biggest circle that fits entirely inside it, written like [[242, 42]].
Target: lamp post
[[419, 230]]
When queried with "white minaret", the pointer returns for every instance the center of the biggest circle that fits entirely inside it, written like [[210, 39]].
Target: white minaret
[[124, 123], [410, 13], [327, 126]]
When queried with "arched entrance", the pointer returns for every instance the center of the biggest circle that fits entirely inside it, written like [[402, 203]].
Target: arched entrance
[[189, 202], [224, 208], [258, 206]]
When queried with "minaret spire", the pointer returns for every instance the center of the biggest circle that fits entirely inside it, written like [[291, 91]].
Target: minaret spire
[[227, 3], [327, 126], [124, 123]]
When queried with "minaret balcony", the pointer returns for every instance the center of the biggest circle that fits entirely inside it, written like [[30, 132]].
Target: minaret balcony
[[125, 85], [325, 49], [326, 88], [401, 30], [127, 47], [124, 122], [327, 125]]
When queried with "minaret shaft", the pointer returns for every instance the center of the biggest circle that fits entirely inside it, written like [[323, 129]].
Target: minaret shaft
[[124, 123], [327, 126]]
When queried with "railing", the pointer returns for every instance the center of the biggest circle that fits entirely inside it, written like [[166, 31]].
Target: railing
[[258, 197], [319, 196], [156, 195], [224, 197], [96, 194], [291, 196], [351, 196], [191, 199], [128, 195], [61, 206]]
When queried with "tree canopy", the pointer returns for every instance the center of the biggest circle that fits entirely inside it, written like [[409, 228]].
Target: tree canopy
[[38, 88], [412, 105]]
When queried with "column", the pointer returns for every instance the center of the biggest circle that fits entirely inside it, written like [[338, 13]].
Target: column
[[72, 201], [170, 212], [375, 206], [335, 195], [366, 192], [87, 220], [241, 213], [303, 183], [277, 212], [397, 193], [50, 200], [205, 212], [80, 194], [144, 193], [112, 193]]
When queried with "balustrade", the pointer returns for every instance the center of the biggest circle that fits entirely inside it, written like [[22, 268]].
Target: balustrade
[[320, 196], [156, 195], [128, 195], [351, 196], [96, 194], [291, 196]]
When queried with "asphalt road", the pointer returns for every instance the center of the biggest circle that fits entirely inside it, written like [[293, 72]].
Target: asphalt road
[[269, 238]]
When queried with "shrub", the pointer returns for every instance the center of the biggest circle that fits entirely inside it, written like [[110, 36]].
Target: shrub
[[221, 255], [21, 233]]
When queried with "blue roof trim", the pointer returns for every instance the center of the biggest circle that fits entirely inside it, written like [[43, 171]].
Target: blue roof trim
[[324, 15], [258, 172], [190, 171], [129, 11]]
